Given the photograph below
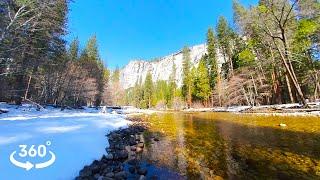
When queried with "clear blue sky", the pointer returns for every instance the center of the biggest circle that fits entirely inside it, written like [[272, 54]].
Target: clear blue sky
[[144, 29]]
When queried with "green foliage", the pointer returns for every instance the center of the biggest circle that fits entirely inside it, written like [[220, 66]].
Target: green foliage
[[245, 58], [148, 90], [211, 58], [187, 77], [74, 49], [201, 84]]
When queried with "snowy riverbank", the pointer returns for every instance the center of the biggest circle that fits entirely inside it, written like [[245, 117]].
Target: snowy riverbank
[[77, 137]]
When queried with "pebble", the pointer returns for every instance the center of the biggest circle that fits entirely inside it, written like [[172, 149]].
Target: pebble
[[282, 125]]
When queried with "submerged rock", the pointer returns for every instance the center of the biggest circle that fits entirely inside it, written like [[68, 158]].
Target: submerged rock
[[282, 125]]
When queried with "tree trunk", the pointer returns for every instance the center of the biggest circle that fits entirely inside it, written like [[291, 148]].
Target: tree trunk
[[291, 76], [289, 89]]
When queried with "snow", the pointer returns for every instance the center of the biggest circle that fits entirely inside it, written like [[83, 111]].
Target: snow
[[77, 138]]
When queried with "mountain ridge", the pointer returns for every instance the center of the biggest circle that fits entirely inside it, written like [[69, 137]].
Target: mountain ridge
[[161, 69]]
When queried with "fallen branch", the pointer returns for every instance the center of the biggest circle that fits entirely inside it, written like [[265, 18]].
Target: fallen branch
[[38, 105]]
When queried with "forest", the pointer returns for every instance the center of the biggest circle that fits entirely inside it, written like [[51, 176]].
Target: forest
[[271, 56], [37, 66]]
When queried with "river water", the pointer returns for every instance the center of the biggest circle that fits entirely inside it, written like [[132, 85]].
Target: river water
[[235, 146]]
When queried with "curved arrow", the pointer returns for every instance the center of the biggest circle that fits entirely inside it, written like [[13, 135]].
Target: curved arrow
[[26, 165], [48, 163]]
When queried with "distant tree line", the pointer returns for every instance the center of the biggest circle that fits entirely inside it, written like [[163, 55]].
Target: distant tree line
[[35, 63], [271, 56]]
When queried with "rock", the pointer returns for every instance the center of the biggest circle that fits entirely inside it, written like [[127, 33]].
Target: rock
[[4, 111], [120, 175], [133, 162], [139, 150], [154, 177], [120, 146], [282, 125], [117, 169], [122, 154], [96, 176], [142, 177], [85, 172], [107, 170], [132, 142], [142, 171], [132, 170], [109, 157], [140, 145], [109, 150], [109, 175]]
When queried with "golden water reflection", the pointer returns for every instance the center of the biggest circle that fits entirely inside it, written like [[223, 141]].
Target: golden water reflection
[[235, 146]]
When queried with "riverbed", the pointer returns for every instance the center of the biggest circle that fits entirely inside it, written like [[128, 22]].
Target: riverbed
[[234, 146]]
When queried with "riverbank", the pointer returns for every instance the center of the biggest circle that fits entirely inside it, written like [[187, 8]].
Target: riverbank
[[25, 125], [124, 158], [294, 109]]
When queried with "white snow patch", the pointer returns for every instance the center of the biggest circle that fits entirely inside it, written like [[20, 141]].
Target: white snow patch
[[60, 129]]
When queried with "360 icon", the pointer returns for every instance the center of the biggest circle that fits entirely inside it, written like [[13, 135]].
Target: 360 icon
[[33, 151]]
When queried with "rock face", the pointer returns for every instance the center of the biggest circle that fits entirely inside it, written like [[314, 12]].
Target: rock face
[[161, 69]]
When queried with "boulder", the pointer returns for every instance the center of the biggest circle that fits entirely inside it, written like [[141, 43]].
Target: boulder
[[120, 175]]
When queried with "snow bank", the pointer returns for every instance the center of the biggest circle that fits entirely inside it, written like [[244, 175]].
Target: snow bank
[[77, 138]]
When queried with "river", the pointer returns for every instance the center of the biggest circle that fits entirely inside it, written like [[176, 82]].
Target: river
[[235, 146]]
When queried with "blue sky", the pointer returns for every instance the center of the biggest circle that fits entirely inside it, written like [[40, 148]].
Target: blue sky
[[144, 29]]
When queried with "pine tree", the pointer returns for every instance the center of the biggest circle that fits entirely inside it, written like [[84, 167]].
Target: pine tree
[[187, 79], [211, 58], [225, 36], [201, 87], [148, 90], [172, 83], [90, 60], [74, 50]]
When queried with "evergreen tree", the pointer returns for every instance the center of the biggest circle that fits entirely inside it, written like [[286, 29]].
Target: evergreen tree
[[74, 50], [187, 78], [225, 36], [148, 90], [211, 58], [201, 87], [172, 83]]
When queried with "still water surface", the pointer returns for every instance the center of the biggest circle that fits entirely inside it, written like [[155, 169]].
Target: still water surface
[[235, 146]]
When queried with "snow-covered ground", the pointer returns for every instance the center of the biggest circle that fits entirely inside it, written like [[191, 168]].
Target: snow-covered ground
[[77, 138]]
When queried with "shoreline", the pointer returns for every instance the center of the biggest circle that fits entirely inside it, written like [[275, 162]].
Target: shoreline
[[266, 110], [123, 158]]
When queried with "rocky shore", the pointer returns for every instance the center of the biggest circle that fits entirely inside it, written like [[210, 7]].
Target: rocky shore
[[122, 158]]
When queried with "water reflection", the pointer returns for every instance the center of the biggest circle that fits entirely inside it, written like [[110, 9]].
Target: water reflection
[[215, 146]]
